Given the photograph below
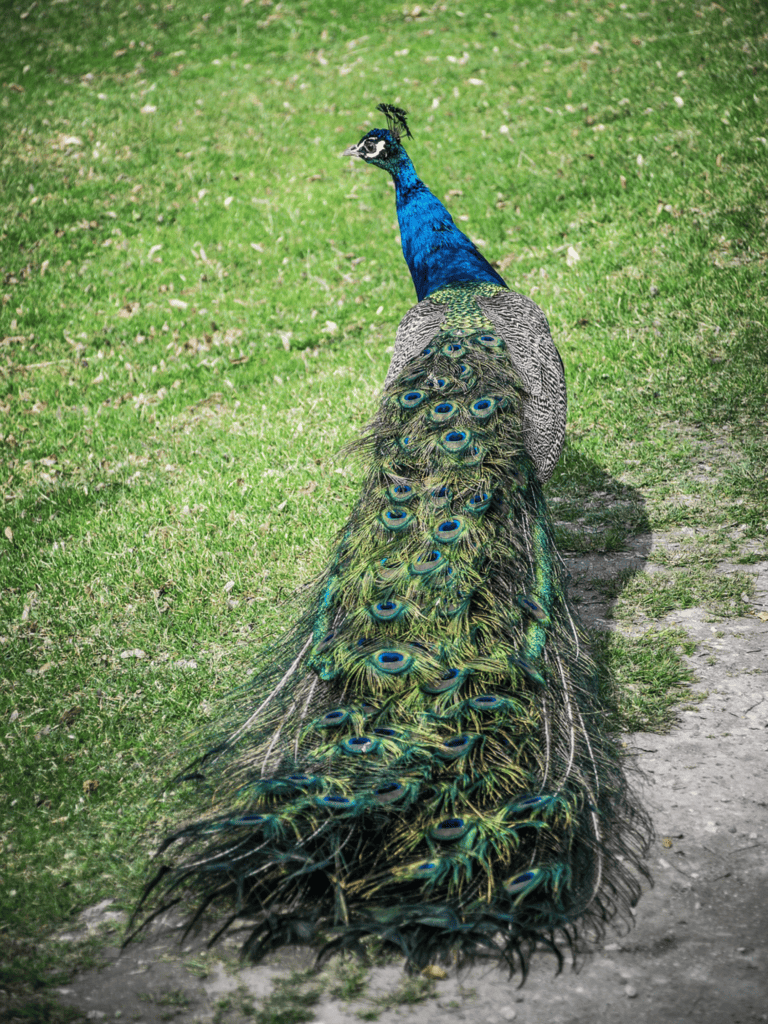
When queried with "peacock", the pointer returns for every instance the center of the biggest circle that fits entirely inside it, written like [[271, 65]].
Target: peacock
[[423, 758]]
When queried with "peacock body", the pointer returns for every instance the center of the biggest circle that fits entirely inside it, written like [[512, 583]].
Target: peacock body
[[423, 757]]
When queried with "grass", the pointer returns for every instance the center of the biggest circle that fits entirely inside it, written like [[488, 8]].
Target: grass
[[28, 971], [648, 679], [409, 992], [349, 983], [198, 298], [294, 998], [292, 1001], [351, 980]]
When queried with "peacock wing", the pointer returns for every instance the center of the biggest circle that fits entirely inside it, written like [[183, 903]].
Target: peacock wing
[[525, 332], [417, 328]]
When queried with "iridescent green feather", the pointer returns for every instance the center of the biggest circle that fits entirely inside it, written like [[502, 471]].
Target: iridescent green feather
[[424, 757]]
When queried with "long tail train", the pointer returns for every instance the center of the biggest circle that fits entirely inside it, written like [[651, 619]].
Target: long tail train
[[424, 757]]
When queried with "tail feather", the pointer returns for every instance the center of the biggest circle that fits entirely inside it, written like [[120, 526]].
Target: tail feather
[[424, 757]]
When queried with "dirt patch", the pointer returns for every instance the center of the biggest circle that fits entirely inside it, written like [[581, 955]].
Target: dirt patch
[[699, 951]]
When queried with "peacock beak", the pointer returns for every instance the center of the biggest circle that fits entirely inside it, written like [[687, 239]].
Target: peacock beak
[[352, 151]]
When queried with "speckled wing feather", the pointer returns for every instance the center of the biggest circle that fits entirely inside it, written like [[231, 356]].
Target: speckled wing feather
[[417, 328], [529, 344]]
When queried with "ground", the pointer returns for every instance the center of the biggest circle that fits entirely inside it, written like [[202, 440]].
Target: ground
[[698, 950]]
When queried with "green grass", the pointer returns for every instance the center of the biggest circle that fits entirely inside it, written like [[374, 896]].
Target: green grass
[[351, 979], [656, 594], [410, 991], [645, 680], [29, 969], [292, 1001], [198, 297]]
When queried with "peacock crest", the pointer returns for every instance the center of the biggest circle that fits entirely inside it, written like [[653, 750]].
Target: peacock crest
[[397, 120]]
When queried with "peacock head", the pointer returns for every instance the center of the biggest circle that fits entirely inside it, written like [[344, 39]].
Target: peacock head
[[381, 146]]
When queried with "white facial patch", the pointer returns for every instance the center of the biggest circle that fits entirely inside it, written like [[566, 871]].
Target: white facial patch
[[373, 149]]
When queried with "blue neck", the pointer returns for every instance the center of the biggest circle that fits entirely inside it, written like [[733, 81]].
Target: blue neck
[[436, 252]]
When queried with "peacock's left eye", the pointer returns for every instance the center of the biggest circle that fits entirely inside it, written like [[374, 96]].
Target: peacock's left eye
[[375, 147]]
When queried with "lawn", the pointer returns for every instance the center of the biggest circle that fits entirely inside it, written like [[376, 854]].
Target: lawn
[[199, 298]]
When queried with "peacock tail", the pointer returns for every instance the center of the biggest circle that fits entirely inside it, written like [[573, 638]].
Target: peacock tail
[[424, 756]]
